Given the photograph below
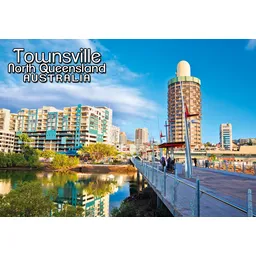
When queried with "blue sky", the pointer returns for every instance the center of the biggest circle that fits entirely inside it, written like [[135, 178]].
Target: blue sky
[[135, 86]]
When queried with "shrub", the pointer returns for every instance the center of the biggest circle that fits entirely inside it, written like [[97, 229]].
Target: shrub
[[18, 160], [27, 200], [64, 162], [12, 160]]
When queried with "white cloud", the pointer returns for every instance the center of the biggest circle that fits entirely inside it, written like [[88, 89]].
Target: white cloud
[[121, 98], [251, 45], [113, 89]]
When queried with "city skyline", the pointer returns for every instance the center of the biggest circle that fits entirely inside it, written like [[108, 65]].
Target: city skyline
[[136, 82]]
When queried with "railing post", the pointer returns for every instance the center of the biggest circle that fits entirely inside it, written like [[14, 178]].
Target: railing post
[[165, 181], [249, 203], [156, 175], [197, 198], [152, 174]]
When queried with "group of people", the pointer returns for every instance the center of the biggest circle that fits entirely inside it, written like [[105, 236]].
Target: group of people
[[170, 164], [206, 163]]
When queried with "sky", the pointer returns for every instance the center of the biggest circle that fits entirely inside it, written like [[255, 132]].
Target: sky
[[135, 85]]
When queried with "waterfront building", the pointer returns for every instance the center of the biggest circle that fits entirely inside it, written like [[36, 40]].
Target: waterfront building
[[115, 135], [64, 130], [249, 141], [191, 89], [226, 136], [7, 128], [141, 136], [243, 141], [123, 138]]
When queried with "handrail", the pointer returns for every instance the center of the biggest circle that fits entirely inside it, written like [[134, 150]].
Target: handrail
[[203, 191]]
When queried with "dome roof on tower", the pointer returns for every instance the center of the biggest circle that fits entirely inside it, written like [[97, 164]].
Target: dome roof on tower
[[183, 69]]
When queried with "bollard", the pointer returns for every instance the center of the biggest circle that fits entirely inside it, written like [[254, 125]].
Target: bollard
[[226, 167], [197, 205], [219, 165], [243, 167], [249, 203], [234, 168], [254, 166]]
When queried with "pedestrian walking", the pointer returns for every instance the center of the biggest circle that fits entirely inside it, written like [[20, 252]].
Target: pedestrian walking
[[195, 161], [163, 162]]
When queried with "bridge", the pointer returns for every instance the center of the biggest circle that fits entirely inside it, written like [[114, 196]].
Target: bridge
[[207, 193]]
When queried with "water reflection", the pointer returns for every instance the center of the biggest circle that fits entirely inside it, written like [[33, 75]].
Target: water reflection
[[96, 193]]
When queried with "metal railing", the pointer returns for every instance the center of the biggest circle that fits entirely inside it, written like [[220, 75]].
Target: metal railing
[[187, 198], [236, 167]]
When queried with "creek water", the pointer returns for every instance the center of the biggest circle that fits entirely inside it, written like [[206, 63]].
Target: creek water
[[97, 193]]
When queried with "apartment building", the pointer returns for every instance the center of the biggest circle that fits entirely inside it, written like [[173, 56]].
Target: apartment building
[[123, 138], [141, 136], [192, 98], [64, 130], [226, 136], [7, 128], [115, 135]]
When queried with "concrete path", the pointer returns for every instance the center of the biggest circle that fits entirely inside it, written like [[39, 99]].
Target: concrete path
[[227, 186]]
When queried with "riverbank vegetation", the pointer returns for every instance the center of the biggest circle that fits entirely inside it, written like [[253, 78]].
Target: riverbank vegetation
[[29, 158], [63, 162], [141, 205], [29, 200], [98, 151]]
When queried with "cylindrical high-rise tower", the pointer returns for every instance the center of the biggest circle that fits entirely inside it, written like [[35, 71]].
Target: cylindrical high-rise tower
[[192, 98]]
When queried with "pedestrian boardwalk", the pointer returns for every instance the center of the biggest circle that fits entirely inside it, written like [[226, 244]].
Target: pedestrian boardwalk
[[227, 185], [220, 194]]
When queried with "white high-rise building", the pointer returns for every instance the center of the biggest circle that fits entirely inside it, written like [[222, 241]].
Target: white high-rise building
[[226, 136], [7, 128], [115, 135]]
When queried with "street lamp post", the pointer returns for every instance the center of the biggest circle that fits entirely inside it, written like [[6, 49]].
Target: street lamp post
[[188, 169]]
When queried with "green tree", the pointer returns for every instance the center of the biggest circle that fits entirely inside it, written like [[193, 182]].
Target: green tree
[[24, 139], [31, 155], [47, 154], [98, 151], [12, 160], [27, 200], [18, 160], [208, 144], [213, 157], [126, 209], [63, 162]]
